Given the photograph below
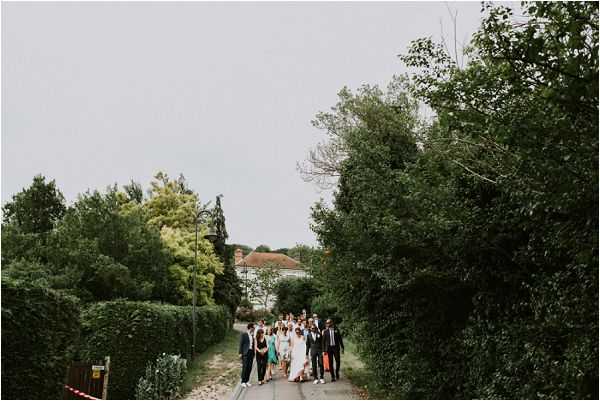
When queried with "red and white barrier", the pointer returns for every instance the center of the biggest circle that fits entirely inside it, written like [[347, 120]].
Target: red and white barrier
[[80, 393]]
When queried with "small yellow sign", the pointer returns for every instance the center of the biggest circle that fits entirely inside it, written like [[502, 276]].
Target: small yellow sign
[[95, 374]]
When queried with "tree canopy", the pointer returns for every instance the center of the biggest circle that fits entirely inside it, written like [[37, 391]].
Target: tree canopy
[[110, 245], [469, 242]]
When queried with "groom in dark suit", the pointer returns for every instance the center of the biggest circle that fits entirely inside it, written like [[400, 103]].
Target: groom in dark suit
[[247, 353], [314, 346], [332, 342]]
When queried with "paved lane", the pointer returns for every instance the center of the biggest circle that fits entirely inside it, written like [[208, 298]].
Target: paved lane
[[280, 389]]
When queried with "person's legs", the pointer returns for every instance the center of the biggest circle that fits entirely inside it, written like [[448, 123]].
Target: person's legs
[[314, 361], [249, 366], [336, 355], [260, 367], [246, 367], [330, 352], [320, 364], [243, 374]]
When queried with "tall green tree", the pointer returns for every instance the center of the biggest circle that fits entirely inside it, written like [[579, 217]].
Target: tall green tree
[[35, 209], [171, 208], [227, 290], [262, 285], [469, 244], [263, 248]]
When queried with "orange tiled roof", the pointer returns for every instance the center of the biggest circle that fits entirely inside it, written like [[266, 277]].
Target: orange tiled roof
[[259, 259]]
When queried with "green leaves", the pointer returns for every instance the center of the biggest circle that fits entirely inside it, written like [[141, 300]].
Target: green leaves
[[463, 249], [40, 331], [134, 334], [295, 294], [35, 209]]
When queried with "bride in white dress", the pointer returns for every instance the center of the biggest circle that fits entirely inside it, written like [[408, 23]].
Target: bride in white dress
[[298, 351]]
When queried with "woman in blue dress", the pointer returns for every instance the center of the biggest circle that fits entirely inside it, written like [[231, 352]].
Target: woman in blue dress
[[271, 354]]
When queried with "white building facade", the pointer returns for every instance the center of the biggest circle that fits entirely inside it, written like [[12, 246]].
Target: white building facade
[[246, 268]]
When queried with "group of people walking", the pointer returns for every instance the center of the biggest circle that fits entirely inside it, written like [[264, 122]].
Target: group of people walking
[[291, 343]]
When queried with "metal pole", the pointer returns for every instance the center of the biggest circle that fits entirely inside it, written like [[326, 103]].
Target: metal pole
[[106, 374], [246, 279], [194, 292]]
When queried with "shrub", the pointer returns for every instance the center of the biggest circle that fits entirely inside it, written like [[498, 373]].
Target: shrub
[[135, 333], [163, 379], [253, 315], [40, 330], [295, 294], [245, 303], [326, 308]]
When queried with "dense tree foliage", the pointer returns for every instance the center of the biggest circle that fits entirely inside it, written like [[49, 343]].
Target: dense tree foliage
[[109, 245], [295, 294], [245, 248], [172, 208], [469, 244], [263, 248], [35, 209], [261, 287], [227, 290]]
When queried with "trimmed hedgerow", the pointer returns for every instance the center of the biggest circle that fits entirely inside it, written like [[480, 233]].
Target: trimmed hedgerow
[[40, 331], [135, 333]]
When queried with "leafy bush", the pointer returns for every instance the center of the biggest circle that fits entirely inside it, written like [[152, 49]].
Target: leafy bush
[[468, 247], [163, 379], [294, 294], [326, 308], [135, 333], [254, 315], [40, 330], [245, 303]]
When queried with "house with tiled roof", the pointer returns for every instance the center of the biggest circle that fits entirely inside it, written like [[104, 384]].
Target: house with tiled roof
[[247, 266]]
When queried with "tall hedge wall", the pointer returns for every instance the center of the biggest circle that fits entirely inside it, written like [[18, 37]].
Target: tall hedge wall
[[40, 331], [134, 333]]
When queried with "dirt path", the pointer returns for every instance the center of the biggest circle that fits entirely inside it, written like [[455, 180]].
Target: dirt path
[[216, 373], [217, 383]]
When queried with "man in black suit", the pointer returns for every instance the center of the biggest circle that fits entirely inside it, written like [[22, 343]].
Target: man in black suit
[[332, 342], [318, 322], [314, 346], [247, 353]]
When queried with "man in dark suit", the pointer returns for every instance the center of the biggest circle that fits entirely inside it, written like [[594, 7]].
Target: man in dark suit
[[247, 353], [314, 346], [332, 342], [318, 322]]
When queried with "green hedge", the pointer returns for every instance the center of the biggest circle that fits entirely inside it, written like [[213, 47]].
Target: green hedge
[[254, 315], [135, 333], [40, 331]]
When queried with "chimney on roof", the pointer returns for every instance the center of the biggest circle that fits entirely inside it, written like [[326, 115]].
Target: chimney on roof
[[239, 255]]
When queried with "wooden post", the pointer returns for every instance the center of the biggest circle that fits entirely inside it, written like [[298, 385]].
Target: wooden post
[[106, 374]]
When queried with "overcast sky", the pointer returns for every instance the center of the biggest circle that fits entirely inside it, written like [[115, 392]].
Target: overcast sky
[[98, 93]]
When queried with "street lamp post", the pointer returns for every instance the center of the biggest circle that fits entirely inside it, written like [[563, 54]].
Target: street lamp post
[[211, 236], [245, 271]]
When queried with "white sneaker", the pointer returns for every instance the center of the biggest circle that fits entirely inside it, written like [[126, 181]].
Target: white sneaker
[[316, 382], [244, 385], [248, 384], [322, 381]]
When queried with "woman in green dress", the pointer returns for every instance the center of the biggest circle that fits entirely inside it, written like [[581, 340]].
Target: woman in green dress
[[271, 354]]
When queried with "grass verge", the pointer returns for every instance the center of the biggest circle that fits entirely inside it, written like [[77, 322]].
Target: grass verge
[[359, 375], [200, 370]]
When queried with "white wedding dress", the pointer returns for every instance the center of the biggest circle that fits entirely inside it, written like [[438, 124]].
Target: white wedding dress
[[298, 358]]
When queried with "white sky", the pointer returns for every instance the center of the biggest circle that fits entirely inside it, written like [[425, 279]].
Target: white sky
[[98, 93]]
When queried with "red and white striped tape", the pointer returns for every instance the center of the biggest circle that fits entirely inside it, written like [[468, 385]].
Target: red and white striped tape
[[80, 393]]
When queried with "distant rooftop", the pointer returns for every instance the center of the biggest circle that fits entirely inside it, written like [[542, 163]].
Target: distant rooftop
[[259, 259]]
